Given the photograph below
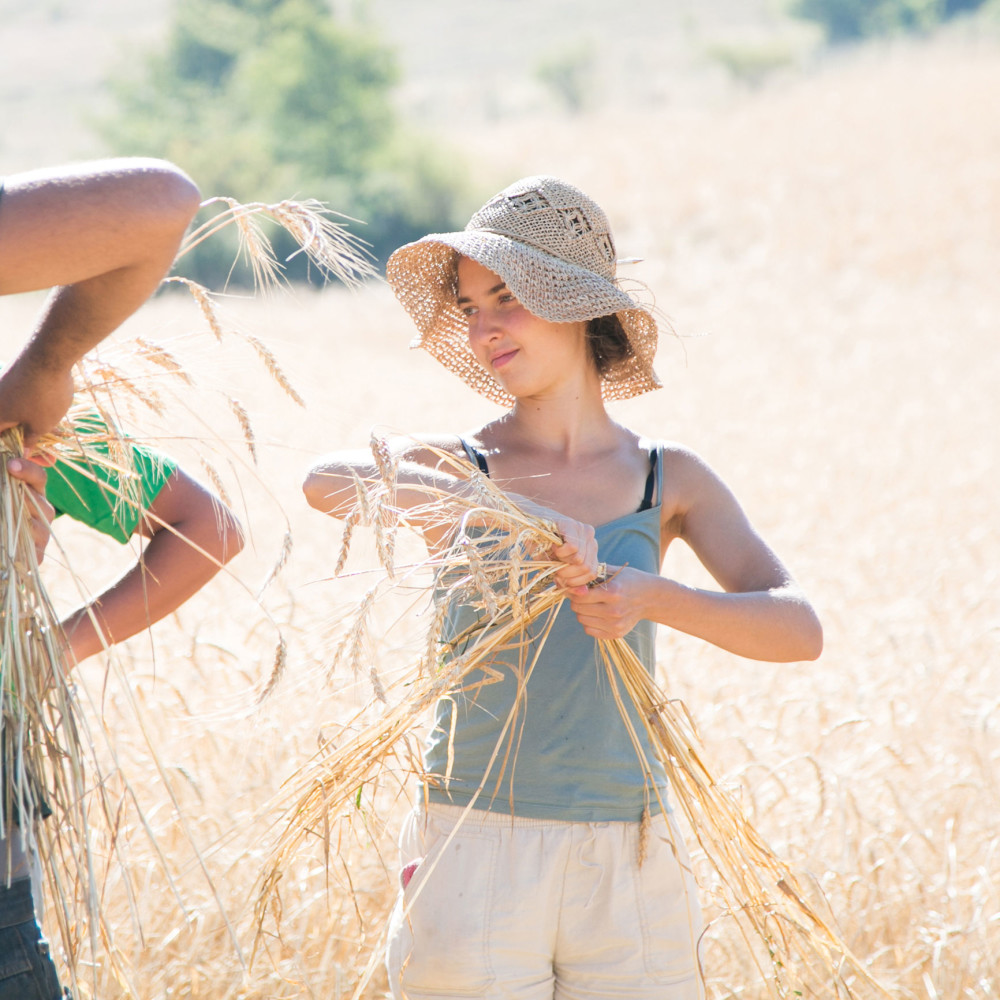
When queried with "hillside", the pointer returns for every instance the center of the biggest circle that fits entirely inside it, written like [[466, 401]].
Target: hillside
[[56, 55]]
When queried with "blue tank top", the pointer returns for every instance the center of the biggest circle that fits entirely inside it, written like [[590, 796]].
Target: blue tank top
[[567, 754]]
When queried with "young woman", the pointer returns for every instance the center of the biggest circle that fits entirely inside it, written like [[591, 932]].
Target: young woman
[[527, 877]]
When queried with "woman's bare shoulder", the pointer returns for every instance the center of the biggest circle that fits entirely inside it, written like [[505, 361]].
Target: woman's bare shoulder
[[686, 477], [673, 453], [670, 449]]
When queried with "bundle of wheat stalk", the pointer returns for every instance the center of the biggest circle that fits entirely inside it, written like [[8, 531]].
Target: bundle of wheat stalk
[[43, 757], [503, 572], [50, 768]]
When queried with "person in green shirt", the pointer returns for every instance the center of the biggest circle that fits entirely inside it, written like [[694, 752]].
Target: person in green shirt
[[190, 534], [102, 235]]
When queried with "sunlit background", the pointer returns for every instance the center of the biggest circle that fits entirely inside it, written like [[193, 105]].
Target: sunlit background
[[816, 206]]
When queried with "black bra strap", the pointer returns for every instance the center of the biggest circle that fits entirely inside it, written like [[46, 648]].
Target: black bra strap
[[477, 456], [647, 496]]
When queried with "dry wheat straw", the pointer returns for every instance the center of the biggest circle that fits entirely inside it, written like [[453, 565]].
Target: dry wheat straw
[[212, 474], [160, 356], [804, 954], [277, 670], [44, 747], [84, 814], [273, 368], [207, 305], [350, 523], [329, 245], [279, 564], [46, 750], [794, 946], [240, 411]]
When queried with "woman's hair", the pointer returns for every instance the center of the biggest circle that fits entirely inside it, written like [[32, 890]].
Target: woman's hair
[[608, 343]]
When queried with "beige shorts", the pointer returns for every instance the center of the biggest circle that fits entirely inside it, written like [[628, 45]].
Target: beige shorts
[[529, 909]]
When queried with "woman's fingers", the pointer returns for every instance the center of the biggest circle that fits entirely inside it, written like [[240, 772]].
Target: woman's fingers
[[578, 553], [609, 610]]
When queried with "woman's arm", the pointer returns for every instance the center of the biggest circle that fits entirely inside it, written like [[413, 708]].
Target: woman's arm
[[330, 487], [191, 535], [761, 612], [423, 479]]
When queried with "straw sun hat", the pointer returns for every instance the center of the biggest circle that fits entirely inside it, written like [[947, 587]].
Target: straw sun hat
[[553, 248]]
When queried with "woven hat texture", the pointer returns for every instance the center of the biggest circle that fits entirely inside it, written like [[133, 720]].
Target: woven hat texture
[[553, 248]]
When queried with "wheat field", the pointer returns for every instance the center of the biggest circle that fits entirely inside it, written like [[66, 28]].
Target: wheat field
[[827, 249]]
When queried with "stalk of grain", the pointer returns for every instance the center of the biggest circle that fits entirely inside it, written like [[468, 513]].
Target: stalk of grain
[[42, 746], [327, 242]]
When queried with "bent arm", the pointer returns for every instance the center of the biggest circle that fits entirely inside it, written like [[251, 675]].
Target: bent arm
[[330, 485], [422, 482], [192, 535], [103, 235], [760, 613], [774, 623]]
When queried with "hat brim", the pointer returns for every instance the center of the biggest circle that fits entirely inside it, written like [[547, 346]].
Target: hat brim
[[423, 276]]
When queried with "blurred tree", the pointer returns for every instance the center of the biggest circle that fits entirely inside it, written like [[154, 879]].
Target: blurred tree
[[569, 75], [753, 61], [848, 20], [268, 99]]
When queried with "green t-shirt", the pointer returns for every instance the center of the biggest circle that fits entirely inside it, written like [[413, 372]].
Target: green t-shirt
[[112, 497]]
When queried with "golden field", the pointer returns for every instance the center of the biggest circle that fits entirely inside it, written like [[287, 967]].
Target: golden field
[[827, 249]]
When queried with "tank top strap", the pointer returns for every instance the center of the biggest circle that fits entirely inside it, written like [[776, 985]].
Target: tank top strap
[[475, 455], [652, 489]]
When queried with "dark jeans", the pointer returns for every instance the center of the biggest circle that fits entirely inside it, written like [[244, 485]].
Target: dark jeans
[[27, 971]]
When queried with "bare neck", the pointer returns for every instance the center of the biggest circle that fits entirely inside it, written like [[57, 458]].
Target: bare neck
[[567, 454], [566, 425]]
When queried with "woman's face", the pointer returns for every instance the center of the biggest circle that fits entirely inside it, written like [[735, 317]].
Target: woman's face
[[525, 354]]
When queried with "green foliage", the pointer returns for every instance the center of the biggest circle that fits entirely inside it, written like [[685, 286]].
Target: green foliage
[[262, 100], [848, 20], [751, 62], [569, 75]]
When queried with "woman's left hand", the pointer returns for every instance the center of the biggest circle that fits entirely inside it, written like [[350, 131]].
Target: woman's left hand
[[610, 610]]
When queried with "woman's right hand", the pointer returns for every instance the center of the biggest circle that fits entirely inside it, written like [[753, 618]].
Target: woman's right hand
[[577, 553]]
